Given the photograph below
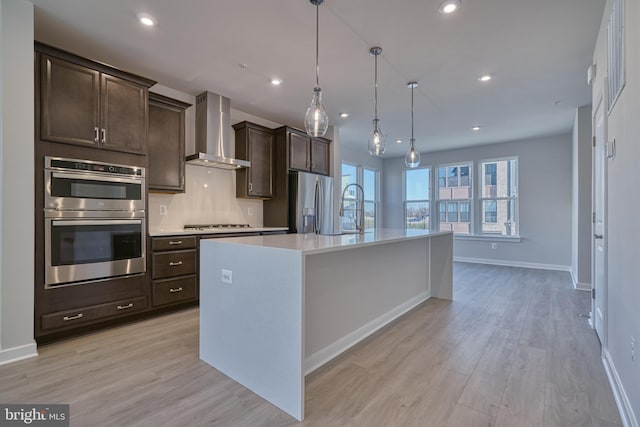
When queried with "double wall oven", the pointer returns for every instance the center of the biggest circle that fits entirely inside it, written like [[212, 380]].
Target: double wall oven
[[94, 221]]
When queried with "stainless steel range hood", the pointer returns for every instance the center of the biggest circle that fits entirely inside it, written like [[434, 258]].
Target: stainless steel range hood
[[213, 128]]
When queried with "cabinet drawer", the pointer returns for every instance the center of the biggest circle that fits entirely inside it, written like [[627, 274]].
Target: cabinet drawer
[[173, 243], [93, 312], [176, 290], [174, 263]]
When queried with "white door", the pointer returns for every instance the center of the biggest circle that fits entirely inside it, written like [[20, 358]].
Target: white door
[[599, 303]]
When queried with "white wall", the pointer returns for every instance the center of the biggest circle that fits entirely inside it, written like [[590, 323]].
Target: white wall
[[210, 194], [16, 180], [544, 182], [581, 199], [623, 225]]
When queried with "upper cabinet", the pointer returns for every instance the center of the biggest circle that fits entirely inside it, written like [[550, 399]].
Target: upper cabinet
[[90, 104], [166, 144], [254, 143], [304, 152]]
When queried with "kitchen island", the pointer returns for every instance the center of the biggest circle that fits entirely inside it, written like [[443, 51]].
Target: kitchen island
[[274, 308]]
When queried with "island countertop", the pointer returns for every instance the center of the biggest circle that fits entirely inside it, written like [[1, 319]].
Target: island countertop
[[317, 243]]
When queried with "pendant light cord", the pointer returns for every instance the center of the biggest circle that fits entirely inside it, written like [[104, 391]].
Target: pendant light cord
[[317, 45], [412, 139], [375, 90]]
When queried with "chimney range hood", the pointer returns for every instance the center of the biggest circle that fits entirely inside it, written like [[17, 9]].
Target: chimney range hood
[[213, 128]]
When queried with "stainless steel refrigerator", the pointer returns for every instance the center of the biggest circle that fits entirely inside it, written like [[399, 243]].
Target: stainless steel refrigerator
[[311, 208]]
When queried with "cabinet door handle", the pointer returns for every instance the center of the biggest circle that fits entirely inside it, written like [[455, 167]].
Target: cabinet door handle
[[175, 242], [77, 316], [96, 132], [104, 135], [124, 307], [598, 236], [174, 290], [175, 264], [250, 187]]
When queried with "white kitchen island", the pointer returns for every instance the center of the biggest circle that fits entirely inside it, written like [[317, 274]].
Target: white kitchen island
[[274, 308]]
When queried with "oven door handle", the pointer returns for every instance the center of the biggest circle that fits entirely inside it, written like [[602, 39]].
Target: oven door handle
[[58, 223], [91, 177]]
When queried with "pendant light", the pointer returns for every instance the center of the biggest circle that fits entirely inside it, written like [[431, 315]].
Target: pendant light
[[412, 158], [377, 144], [316, 121]]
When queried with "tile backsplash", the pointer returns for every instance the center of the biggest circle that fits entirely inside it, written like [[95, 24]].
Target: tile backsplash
[[210, 197]]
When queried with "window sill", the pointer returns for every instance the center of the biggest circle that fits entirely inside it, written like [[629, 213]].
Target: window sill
[[489, 238]]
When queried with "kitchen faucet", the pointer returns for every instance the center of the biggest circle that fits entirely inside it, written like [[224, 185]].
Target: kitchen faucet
[[359, 206]]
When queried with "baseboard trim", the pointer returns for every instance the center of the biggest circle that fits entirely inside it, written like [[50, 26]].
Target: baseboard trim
[[321, 357], [15, 354], [622, 400], [579, 286], [505, 263]]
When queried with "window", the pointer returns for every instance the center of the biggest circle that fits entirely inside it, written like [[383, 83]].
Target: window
[[368, 179], [369, 184], [416, 196], [455, 198], [499, 197], [615, 53]]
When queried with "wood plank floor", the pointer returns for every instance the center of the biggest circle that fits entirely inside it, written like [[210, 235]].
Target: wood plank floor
[[510, 350]]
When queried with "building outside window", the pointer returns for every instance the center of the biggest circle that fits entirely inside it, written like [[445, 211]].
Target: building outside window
[[455, 196], [368, 179], [499, 196], [416, 198]]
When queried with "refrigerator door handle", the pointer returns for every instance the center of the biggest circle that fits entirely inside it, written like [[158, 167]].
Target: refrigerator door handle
[[317, 207]]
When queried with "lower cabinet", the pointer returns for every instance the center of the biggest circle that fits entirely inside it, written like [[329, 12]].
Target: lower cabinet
[[92, 313], [174, 270]]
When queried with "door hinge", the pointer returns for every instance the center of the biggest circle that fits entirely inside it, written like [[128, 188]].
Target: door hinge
[[593, 293], [593, 138]]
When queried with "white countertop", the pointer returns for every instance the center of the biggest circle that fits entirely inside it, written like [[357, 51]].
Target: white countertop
[[314, 243], [180, 232]]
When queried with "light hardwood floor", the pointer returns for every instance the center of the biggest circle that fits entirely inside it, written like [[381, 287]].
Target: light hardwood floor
[[510, 350]]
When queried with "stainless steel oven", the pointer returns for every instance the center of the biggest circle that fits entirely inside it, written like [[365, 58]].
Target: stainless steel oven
[[71, 184], [95, 224], [89, 246]]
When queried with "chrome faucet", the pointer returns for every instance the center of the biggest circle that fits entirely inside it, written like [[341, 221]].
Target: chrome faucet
[[359, 207]]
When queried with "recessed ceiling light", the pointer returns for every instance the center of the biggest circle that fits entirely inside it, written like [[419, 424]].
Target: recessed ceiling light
[[146, 19], [344, 115], [276, 82], [475, 128], [485, 78], [398, 141], [449, 6]]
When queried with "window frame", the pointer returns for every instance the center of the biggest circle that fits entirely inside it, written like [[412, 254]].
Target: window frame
[[516, 199], [429, 199], [360, 181], [471, 200]]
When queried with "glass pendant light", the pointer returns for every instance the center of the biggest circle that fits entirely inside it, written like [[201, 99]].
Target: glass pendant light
[[412, 158], [377, 143], [316, 121]]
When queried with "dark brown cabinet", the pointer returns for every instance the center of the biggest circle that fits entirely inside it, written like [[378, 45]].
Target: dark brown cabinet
[[174, 270], [294, 150], [91, 104], [166, 144], [305, 153], [254, 143]]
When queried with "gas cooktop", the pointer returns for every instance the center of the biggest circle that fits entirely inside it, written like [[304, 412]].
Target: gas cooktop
[[214, 226]]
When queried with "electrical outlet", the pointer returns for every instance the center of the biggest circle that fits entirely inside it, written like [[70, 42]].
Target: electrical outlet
[[250, 211], [494, 245], [163, 209], [227, 276]]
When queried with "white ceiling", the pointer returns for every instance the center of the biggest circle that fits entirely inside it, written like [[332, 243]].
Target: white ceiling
[[537, 50]]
